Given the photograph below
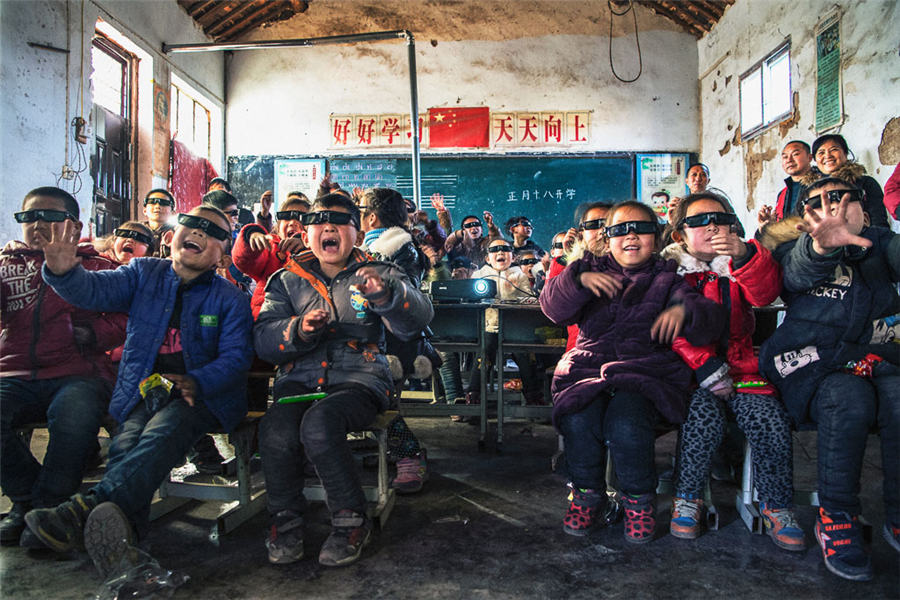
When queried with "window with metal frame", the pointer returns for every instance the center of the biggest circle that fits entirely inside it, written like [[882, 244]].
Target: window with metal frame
[[190, 122], [765, 92], [111, 76]]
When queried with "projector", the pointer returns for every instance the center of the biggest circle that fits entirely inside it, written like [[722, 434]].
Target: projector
[[463, 290]]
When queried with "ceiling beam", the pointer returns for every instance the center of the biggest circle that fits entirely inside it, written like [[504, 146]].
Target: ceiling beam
[[221, 9], [255, 18], [671, 13], [714, 8], [705, 15], [240, 15]]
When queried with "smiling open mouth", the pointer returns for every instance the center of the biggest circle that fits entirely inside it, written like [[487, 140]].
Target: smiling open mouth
[[329, 244], [189, 245]]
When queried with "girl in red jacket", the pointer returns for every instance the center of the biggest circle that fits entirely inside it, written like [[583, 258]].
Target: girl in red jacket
[[738, 275], [258, 253]]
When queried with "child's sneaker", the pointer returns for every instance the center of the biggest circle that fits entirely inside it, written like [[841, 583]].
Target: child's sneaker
[[13, 524], [640, 520], [782, 527], [62, 528], [285, 539], [412, 473], [584, 506], [108, 539], [892, 535], [350, 532], [840, 537], [687, 517]]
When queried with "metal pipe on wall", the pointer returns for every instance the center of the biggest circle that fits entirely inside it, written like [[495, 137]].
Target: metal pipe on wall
[[337, 39]]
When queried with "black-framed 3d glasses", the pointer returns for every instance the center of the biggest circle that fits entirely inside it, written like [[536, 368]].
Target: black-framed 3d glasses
[[161, 201], [204, 225], [500, 248], [557, 246], [704, 219], [834, 196], [135, 235], [639, 227], [528, 261], [328, 216], [471, 224], [593, 224], [44, 214], [289, 215], [523, 223]]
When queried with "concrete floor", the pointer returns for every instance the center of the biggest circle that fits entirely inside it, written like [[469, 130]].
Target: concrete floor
[[490, 526]]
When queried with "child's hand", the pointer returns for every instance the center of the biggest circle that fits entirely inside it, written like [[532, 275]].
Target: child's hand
[[259, 241], [726, 243], [765, 215], [291, 245], [437, 201], [488, 218], [372, 286], [600, 284], [829, 231], [314, 320], [570, 239], [358, 193], [60, 251], [432, 255], [186, 384], [422, 217], [724, 388], [667, 325]]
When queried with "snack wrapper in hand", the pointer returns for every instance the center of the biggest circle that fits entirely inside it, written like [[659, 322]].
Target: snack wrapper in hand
[[156, 391]]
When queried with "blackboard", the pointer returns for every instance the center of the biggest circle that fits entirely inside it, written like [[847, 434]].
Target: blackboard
[[547, 189]]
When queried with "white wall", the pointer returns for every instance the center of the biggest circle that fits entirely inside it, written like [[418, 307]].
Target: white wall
[[751, 172], [36, 84], [279, 101]]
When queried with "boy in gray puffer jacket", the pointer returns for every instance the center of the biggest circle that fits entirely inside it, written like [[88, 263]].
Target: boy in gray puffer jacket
[[322, 323]]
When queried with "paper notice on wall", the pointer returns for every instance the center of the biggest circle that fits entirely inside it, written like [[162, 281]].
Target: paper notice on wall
[[297, 175], [829, 107], [160, 131], [660, 173]]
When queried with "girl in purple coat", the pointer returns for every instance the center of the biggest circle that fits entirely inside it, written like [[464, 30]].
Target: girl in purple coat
[[622, 378]]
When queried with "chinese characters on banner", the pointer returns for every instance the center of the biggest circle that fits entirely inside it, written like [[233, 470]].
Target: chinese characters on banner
[[506, 130]]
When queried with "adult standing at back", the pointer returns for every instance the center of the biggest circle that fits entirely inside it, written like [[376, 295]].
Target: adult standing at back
[[831, 154], [796, 160]]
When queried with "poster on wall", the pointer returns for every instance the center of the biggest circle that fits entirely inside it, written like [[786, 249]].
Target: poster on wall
[[660, 173], [829, 106], [160, 131], [297, 175]]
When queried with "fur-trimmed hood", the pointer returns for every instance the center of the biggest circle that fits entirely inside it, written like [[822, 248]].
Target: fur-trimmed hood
[[390, 242], [850, 171], [688, 263], [772, 235]]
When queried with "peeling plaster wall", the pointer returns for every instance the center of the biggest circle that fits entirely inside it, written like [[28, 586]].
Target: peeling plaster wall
[[279, 101], [33, 116], [750, 172]]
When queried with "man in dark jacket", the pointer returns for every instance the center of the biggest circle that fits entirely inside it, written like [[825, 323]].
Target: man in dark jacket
[[796, 160], [53, 365]]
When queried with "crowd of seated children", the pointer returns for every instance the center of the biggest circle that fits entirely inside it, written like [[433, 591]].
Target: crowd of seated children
[[384, 218], [56, 372], [469, 241], [185, 324], [322, 323], [266, 200], [738, 275], [159, 208], [622, 378], [835, 357]]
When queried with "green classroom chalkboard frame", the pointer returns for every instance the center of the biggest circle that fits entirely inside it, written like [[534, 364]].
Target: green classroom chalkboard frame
[[546, 188]]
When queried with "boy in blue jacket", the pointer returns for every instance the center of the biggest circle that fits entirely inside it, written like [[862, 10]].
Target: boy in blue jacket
[[836, 360], [188, 325]]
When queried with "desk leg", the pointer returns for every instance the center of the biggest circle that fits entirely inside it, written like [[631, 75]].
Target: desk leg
[[482, 355]]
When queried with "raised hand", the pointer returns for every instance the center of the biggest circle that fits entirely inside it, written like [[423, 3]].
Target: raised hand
[[726, 243], [265, 202], [60, 251], [314, 320], [437, 201], [668, 324], [291, 245], [259, 241], [488, 218], [765, 215], [600, 284], [829, 231], [372, 286], [570, 239]]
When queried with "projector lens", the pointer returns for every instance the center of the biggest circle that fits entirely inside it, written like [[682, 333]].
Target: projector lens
[[480, 286]]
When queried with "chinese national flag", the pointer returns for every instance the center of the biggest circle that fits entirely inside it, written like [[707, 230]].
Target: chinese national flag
[[459, 127]]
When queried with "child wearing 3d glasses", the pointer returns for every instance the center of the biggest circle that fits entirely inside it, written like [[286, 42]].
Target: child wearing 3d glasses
[[622, 378]]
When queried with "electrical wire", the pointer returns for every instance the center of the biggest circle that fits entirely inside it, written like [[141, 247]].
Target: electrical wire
[[637, 40]]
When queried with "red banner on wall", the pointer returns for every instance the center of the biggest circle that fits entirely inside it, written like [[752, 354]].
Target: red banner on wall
[[190, 177], [459, 127]]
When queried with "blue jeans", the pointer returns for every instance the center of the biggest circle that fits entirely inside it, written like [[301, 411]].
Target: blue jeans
[[845, 408], [290, 432], [625, 422], [73, 408], [147, 447]]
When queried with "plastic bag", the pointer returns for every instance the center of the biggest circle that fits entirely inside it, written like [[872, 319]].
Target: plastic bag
[[140, 576]]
